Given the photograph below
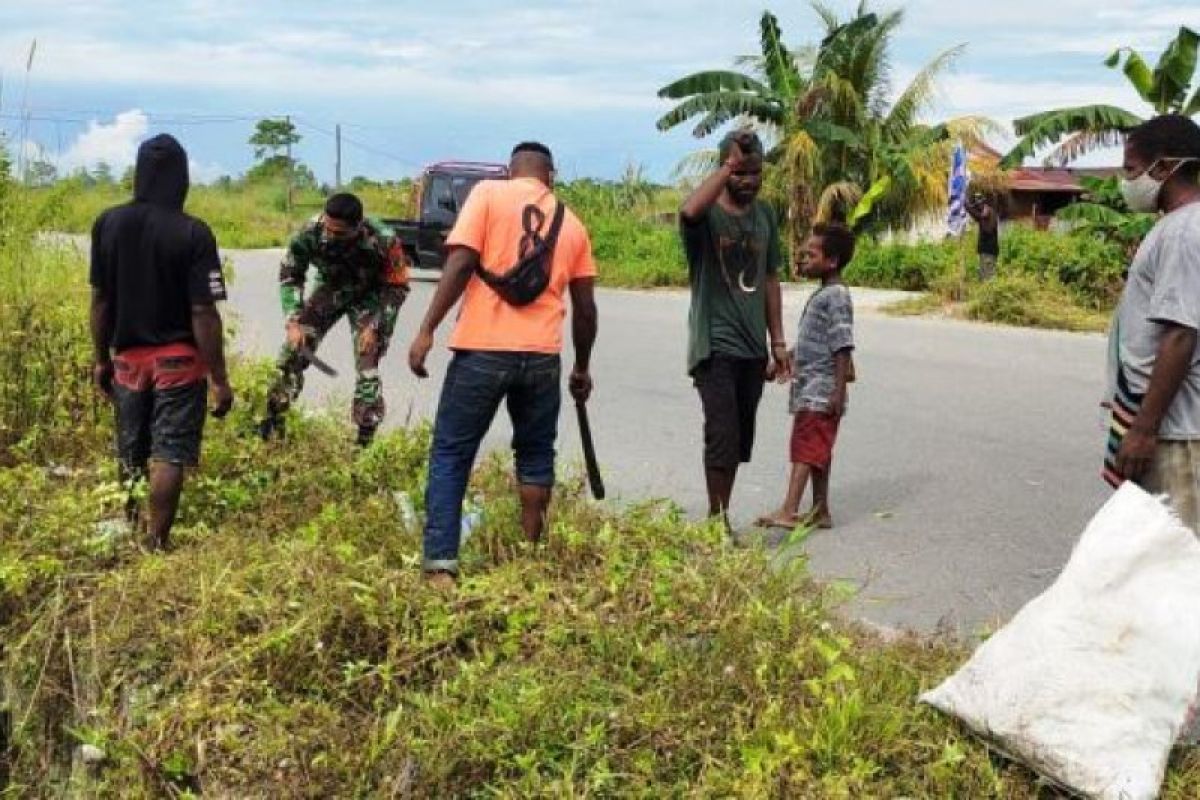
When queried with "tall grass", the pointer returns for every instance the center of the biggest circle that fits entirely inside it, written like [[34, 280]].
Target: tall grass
[[242, 214], [1089, 267], [634, 239], [633, 244], [1045, 280], [636, 244], [288, 649], [46, 406]]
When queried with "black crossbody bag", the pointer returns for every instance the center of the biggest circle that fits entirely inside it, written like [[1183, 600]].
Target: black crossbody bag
[[525, 282]]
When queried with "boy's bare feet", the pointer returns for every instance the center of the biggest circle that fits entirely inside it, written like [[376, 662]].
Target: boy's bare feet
[[778, 519]]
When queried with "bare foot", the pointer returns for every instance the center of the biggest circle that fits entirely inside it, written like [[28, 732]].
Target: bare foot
[[778, 519], [820, 518]]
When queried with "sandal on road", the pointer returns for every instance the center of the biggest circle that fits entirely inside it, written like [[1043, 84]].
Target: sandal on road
[[786, 522]]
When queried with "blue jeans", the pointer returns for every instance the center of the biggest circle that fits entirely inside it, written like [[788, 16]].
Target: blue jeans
[[475, 384]]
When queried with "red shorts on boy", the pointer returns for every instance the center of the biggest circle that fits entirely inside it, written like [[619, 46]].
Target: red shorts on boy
[[813, 435]]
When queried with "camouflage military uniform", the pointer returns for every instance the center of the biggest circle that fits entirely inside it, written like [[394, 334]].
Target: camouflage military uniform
[[367, 284]]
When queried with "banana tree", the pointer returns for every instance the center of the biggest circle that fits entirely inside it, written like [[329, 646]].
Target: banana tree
[[1075, 131], [1103, 212], [826, 112]]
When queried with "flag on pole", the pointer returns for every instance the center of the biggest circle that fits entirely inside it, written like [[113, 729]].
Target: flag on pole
[[960, 178]]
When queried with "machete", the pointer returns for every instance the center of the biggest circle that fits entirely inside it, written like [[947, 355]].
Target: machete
[[311, 357], [589, 452]]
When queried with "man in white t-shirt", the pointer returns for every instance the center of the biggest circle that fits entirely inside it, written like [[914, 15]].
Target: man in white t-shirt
[[1154, 361]]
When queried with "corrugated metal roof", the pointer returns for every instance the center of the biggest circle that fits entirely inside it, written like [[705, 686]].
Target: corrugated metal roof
[[1051, 179]]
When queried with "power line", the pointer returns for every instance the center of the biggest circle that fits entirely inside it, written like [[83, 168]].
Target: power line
[[173, 113], [188, 119], [359, 144], [376, 151], [157, 118]]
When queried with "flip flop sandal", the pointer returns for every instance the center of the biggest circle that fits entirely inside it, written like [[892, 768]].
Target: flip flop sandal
[[773, 522]]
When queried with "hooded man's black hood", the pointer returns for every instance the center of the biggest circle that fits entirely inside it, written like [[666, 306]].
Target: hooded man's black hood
[[162, 172]]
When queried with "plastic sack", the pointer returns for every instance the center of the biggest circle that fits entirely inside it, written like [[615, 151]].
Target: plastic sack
[[1093, 681]]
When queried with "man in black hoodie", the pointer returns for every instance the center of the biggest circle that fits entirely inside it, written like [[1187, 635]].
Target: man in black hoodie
[[156, 277]]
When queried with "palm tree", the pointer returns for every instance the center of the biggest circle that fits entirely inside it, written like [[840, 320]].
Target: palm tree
[[839, 147], [1086, 128]]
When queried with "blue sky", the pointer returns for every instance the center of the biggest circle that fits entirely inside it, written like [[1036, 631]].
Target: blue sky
[[413, 82]]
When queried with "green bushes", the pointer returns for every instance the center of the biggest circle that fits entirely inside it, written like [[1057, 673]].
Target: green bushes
[[287, 648], [1021, 299], [242, 214], [632, 242], [636, 253], [1089, 267], [1051, 280], [909, 267], [636, 243], [46, 405]]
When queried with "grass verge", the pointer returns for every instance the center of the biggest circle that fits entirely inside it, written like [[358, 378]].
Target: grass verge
[[1018, 300], [286, 648]]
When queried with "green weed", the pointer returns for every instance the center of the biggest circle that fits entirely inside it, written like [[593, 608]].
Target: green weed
[[287, 648]]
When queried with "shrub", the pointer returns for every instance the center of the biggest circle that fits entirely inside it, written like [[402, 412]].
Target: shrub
[[909, 267], [1090, 267], [1017, 298], [46, 403], [287, 648], [634, 253]]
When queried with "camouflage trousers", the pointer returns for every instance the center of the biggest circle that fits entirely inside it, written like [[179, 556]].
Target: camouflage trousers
[[321, 311]]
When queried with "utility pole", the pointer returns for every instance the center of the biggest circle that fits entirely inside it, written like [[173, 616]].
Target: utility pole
[[337, 169], [291, 166]]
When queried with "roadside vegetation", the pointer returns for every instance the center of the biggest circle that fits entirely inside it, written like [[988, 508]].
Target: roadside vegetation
[[630, 220], [247, 212], [1068, 281], [287, 649], [636, 243]]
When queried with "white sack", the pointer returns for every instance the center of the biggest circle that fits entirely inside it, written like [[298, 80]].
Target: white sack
[[1091, 683]]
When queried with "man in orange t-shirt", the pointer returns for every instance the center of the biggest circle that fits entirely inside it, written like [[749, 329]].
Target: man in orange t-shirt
[[503, 351]]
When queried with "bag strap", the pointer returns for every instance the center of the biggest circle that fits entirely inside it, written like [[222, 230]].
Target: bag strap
[[531, 230], [560, 211]]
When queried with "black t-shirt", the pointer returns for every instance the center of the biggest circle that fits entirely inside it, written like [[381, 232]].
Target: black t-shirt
[[989, 236], [152, 263]]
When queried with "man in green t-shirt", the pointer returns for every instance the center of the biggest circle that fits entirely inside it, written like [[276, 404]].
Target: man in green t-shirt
[[732, 244]]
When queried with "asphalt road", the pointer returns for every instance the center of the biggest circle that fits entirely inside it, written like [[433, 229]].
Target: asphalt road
[[966, 468]]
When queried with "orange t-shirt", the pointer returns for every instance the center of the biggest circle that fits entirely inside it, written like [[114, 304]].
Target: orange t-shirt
[[490, 224]]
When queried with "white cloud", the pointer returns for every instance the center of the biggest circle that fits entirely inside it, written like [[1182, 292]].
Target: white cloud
[[975, 93], [278, 61], [113, 143], [204, 172], [500, 60]]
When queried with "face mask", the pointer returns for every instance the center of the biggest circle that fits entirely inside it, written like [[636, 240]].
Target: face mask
[[1141, 193]]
